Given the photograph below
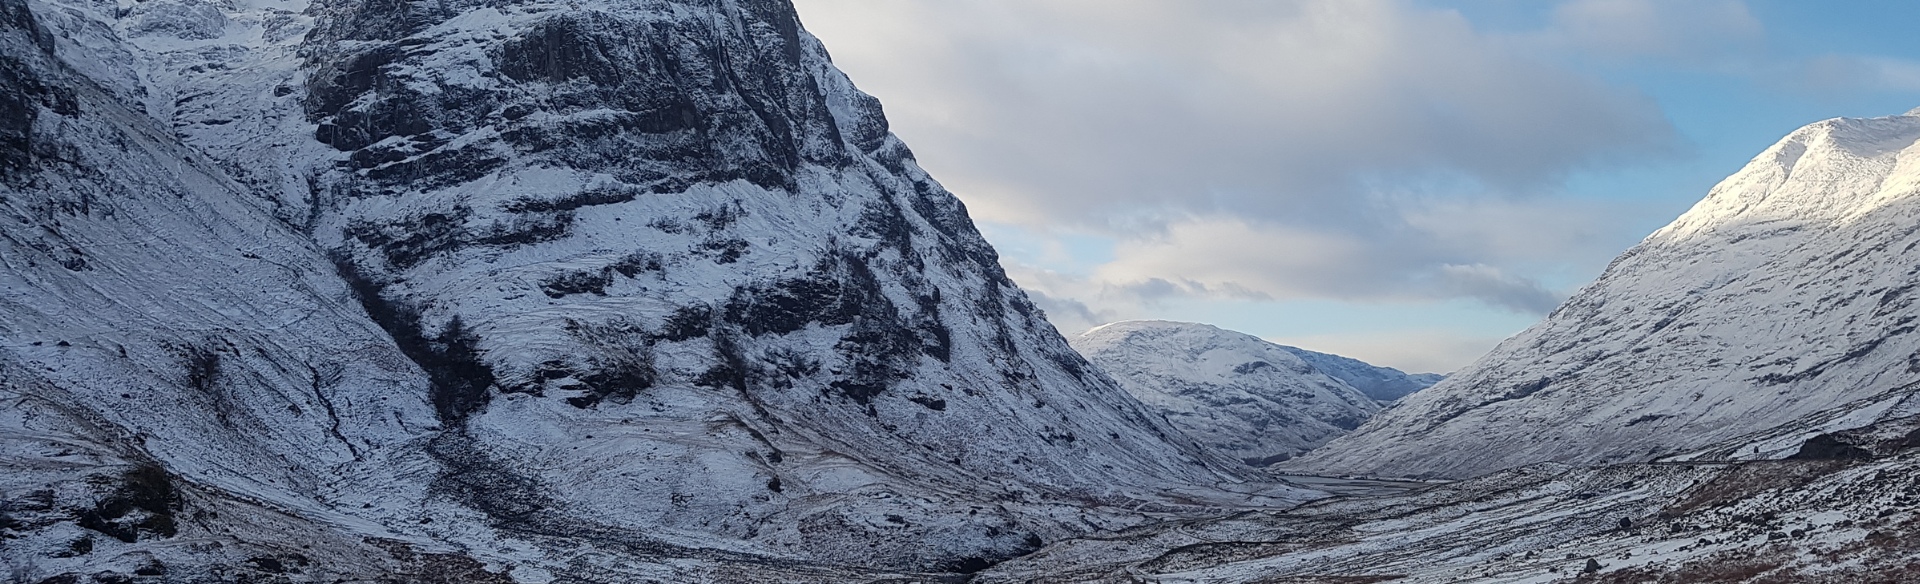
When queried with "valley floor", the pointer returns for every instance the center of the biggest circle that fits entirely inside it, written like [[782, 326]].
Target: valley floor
[[1773, 521], [1354, 487]]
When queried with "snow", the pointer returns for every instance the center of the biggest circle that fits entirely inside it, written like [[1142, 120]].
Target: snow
[[916, 413], [1778, 308], [1250, 399], [1791, 521], [734, 332]]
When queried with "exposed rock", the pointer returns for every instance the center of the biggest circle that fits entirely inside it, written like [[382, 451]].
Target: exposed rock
[[645, 278]]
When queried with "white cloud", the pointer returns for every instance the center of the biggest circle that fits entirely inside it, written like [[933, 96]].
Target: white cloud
[[1495, 287], [1114, 112], [1693, 32], [1233, 258], [1719, 36], [1366, 151], [1836, 73], [1424, 251], [1070, 316], [1371, 151]]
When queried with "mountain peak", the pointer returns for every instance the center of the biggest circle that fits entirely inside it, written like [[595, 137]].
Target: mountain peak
[[1779, 307], [1827, 171]]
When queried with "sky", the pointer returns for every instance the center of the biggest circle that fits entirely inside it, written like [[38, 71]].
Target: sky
[[1404, 182]]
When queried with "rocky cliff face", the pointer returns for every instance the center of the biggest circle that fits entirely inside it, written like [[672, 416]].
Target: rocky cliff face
[[1779, 308], [649, 278], [1250, 399]]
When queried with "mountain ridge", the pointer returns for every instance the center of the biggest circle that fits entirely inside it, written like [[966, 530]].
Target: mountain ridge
[[1254, 400], [1774, 310]]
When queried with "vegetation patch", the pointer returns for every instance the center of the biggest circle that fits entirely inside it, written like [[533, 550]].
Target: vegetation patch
[[1746, 480], [583, 282], [688, 322], [202, 366], [636, 263], [142, 504], [723, 251], [609, 195], [408, 242], [461, 381], [619, 361]]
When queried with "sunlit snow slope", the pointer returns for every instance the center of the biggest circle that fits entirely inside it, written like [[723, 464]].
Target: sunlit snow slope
[[1779, 307]]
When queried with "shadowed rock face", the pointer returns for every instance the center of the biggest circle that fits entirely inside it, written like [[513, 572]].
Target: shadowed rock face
[[656, 91], [646, 277], [23, 93], [638, 200]]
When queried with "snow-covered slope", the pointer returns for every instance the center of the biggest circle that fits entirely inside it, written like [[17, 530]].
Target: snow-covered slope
[[1381, 383], [1779, 307], [605, 290], [1240, 395], [168, 349], [674, 233], [1744, 523]]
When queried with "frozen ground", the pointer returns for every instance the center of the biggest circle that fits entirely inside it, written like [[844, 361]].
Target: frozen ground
[[1775, 521]]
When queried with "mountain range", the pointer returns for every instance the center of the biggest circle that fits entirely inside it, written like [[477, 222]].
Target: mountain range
[[1730, 402], [1779, 308], [648, 291], [1240, 395]]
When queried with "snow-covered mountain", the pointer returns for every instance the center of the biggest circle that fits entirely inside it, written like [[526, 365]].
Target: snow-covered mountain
[[1781, 307], [1380, 383], [601, 290], [1253, 400]]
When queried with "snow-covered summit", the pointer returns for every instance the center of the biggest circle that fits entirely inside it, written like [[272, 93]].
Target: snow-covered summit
[[1780, 306], [1252, 399]]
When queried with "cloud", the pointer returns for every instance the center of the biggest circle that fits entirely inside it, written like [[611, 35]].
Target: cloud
[[1695, 32], [1121, 113], [1718, 36], [1495, 287], [1233, 258], [1371, 151], [1425, 250], [1070, 316], [1833, 73]]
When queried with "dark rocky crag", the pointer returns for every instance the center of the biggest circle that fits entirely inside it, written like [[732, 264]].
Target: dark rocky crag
[[705, 204], [649, 277]]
